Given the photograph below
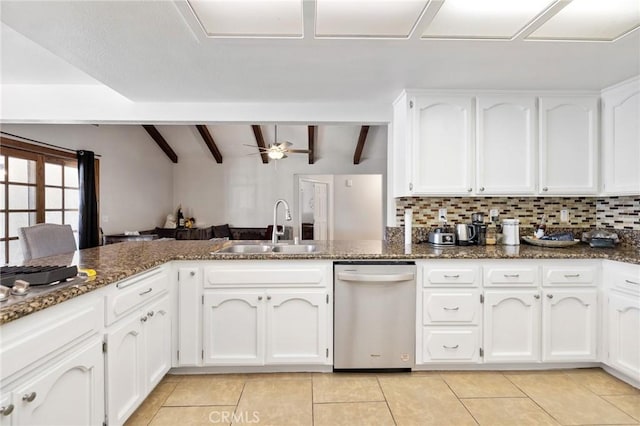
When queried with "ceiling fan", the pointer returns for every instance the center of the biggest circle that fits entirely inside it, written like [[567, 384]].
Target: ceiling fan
[[278, 150]]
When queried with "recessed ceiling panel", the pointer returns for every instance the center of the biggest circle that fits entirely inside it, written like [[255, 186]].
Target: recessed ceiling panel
[[249, 18], [366, 18], [484, 19], [604, 20]]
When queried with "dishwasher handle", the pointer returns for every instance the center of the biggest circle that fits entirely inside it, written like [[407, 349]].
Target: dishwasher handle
[[356, 277]]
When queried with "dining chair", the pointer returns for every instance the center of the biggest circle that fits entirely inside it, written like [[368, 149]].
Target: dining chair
[[46, 239]]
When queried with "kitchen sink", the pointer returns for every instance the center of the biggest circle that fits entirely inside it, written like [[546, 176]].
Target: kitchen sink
[[269, 248]]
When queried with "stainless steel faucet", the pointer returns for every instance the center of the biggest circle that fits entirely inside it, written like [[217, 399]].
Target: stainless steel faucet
[[287, 216]]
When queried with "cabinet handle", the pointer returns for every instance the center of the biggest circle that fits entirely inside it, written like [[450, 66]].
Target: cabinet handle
[[511, 275], [545, 189], [259, 297], [451, 309], [268, 297], [452, 276], [410, 187], [482, 189], [29, 396], [451, 347], [146, 291], [143, 319], [571, 275], [550, 296], [632, 282], [5, 411], [536, 296], [192, 273], [150, 313]]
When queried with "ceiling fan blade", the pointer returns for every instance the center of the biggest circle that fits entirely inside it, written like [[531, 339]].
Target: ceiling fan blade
[[284, 144], [298, 151]]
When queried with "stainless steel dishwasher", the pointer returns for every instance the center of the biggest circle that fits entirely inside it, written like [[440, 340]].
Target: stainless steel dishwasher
[[374, 315]]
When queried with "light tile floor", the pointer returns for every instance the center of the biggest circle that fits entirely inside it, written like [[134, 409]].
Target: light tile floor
[[566, 397]]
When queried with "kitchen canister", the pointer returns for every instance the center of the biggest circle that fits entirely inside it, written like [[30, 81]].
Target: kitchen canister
[[511, 232]]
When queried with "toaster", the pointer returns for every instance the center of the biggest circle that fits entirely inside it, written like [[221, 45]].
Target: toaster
[[441, 237]]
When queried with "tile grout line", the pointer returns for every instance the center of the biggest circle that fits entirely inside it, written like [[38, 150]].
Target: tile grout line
[[313, 418], [530, 398], [458, 399], [393, 418]]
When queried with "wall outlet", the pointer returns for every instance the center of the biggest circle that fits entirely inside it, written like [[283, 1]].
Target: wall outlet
[[493, 213], [442, 215], [564, 215]]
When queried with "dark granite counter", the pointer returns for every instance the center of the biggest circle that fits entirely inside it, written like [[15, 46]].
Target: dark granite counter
[[115, 262]]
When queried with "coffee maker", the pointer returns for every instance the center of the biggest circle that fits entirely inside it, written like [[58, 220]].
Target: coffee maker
[[480, 234]]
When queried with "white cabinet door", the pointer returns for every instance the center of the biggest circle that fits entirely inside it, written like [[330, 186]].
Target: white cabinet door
[[511, 325], [189, 322], [234, 324], [157, 339], [125, 368], [621, 138], [569, 325], [624, 335], [442, 145], [66, 393], [506, 141], [568, 145], [297, 327]]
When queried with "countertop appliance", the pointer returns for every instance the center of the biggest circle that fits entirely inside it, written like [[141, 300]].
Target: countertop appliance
[[465, 234], [374, 315], [441, 237], [511, 232]]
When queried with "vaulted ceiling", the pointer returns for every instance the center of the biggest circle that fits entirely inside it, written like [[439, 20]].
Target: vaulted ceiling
[[151, 51]]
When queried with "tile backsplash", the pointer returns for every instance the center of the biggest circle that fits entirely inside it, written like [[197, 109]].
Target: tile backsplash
[[584, 212]]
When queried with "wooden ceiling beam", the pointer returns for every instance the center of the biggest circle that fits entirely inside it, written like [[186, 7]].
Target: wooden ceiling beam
[[208, 140], [257, 132], [312, 143], [162, 143], [364, 130]]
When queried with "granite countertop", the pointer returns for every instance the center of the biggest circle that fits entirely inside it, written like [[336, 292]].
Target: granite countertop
[[115, 262]]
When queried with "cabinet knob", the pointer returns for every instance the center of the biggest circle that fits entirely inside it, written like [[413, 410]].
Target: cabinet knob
[[469, 189], [268, 297], [192, 273], [143, 319], [150, 313], [482, 189], [410, 187], [29, 396], [545, 189], [259, 297], [550, 296], [5, 411], [536, 296]]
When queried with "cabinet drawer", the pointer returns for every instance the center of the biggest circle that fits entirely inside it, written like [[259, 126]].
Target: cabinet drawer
[[510, 275], [462, 307], [451, 344], [450, 276], [128, 294], [42, 335], [623, 276], [578, 275]]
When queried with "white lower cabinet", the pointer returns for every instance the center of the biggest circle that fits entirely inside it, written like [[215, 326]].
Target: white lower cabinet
[[569, 324], [266, 326], [624, 333], [138, 356], [511, 325], [69, 391]]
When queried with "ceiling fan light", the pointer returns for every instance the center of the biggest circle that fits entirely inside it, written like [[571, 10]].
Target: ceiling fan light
[[275, 154]]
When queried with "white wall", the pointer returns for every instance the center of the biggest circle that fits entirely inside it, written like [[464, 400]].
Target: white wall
[[241, 191], [136, 177]]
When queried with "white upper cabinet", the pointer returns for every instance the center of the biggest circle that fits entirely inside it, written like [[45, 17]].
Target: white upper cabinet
[[621, 138], [568, 145], [443, 144], [505, 149]]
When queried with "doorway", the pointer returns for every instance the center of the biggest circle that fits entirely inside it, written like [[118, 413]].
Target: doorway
[[313, 209]]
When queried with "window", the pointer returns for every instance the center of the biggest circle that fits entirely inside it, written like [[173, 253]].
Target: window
[[38, 185]]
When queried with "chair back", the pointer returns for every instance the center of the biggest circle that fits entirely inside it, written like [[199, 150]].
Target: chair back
[[46, 239]]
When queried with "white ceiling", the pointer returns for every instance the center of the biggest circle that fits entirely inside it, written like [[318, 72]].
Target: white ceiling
[[158, 51]]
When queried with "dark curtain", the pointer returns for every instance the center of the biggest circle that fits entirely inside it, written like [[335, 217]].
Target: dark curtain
[[88, 228]]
